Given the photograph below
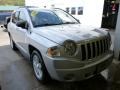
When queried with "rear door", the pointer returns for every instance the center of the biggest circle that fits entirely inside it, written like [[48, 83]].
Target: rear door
[[12, 25]]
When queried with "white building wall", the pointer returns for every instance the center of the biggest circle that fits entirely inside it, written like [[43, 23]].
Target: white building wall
[[92, 9]]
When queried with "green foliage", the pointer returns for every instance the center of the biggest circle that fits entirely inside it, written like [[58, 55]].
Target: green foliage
[[12, 2]]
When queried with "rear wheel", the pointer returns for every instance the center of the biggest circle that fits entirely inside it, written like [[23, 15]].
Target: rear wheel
[[12, 44], [39, 67]]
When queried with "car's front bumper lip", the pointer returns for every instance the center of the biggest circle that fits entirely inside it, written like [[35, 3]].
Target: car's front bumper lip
[[84, 72], [77, 72]]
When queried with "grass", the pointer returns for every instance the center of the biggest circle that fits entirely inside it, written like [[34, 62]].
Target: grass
[[12, 2]]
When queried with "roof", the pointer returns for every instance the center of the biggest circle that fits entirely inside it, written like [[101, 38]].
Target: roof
[[6, 8]]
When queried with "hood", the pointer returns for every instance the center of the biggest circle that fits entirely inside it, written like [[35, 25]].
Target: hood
[[76, 32]]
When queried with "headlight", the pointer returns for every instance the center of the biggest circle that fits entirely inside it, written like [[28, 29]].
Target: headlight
[[53, 51], [69, 47]]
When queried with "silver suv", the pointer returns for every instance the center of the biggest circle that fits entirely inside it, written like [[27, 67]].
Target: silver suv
[[58, 46]]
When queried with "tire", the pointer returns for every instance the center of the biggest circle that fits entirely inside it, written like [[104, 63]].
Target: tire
[[39, 68], [12, 44]]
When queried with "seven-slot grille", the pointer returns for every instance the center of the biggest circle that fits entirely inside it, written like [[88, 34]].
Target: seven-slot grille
[[95, 48]]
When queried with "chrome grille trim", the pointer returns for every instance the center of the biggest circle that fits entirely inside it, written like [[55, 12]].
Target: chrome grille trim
[[86, 49], [100, 48], [96, 49], [103, 46], [93, 48], [80, 52]]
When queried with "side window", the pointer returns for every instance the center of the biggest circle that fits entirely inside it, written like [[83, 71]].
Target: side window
[[22, 22], [67, 9], [22, 16], [73, 10], [80, 10], [15, 17]]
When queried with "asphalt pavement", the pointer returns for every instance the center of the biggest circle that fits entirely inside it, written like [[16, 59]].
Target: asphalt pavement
[[16, 73]]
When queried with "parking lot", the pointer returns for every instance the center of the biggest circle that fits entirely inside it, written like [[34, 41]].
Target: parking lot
[[16, 73]]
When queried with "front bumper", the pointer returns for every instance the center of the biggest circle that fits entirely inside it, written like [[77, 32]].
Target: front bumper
[[73, 70]]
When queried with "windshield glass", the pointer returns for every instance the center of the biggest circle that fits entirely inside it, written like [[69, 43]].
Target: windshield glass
[[50, 17], [65, 17]]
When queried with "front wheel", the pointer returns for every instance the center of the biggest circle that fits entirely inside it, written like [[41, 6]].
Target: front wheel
[[39, 67]]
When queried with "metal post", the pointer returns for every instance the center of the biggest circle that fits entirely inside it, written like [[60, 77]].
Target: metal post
[[117, 38]]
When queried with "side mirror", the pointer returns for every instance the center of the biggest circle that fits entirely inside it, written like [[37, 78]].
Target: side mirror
[[22, 24]]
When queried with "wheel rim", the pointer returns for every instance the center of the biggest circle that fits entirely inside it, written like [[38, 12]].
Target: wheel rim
[[37, 67], [11, 42]]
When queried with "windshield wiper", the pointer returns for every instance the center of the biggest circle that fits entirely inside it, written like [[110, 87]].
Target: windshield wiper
[[69, 23], [45, 25]]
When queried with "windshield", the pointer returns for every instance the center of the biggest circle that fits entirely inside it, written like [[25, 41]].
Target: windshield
[[50, 17]]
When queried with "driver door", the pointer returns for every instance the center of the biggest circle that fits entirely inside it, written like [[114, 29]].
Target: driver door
[[21, 34]]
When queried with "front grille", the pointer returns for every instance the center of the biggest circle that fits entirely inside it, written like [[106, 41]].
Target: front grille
[[94, 48]]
